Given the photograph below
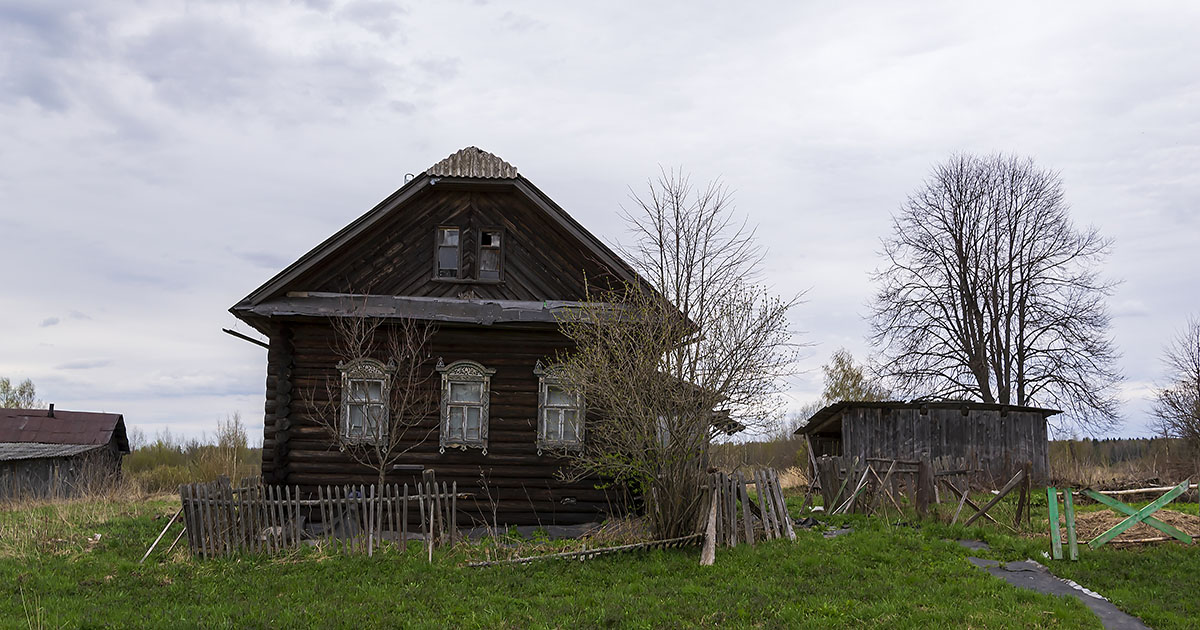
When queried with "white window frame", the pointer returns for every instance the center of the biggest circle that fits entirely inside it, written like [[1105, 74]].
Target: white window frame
[[547, 413], [365, 371], [464, 371]]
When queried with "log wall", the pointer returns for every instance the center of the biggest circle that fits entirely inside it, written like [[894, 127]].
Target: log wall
[[513, 480]]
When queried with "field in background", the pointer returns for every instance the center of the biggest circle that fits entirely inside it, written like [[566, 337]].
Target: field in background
[[163, 464]]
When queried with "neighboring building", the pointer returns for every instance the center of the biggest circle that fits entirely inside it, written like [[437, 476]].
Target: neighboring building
[[52, 453], [994, 439], [475, 247]]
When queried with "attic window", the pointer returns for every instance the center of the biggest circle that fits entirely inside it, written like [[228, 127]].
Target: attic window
[[447, 252], [489, 255]]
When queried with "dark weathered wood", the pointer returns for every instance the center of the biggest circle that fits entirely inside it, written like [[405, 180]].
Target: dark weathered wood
[[924, 488], [747, 518], [787, 518]]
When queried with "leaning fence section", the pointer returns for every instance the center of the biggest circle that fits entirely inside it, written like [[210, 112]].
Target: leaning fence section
[[736, 515], [221, 519]]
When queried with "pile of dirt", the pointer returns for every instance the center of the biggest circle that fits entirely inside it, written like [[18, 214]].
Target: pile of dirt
[[1089, 525]]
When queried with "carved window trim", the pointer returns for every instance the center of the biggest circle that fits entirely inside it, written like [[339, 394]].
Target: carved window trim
[[547, 413], [365, 372], [464, 371]]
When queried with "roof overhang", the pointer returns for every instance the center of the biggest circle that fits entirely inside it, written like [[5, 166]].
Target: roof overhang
[[453, 310]]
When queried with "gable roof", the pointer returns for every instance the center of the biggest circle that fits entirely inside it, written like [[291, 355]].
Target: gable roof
[[466, 166], [64, 427]]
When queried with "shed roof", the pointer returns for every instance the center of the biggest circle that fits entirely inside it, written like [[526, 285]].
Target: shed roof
[[63, 427], [821, 419], [10, 451]]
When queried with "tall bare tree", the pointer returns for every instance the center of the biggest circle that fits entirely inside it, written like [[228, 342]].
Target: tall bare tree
[[383, 403], [991, 293], [1177, 405], [665, 368]]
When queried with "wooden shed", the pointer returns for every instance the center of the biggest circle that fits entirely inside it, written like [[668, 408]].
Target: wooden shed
[[476, 248], [994, 440], [49, 453]]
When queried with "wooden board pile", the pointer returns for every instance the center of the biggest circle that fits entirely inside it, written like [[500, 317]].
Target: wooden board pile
[[734, 516]]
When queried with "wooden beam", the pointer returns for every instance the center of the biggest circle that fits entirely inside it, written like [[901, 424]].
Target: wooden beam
[[245, 338]]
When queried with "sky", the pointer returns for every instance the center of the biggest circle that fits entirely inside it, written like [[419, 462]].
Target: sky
[[160, 160]]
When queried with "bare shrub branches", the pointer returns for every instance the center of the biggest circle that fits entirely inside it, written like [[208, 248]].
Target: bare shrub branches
[[665, 367], [991, 293], [1177, 405], [410, 393]]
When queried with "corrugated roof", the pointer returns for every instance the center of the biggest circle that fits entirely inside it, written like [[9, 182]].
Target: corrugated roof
[[10, 451], [64, 427], [473, 162], [820, 418]]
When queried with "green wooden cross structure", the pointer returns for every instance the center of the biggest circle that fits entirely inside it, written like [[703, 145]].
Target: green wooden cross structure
[[1139, 516]]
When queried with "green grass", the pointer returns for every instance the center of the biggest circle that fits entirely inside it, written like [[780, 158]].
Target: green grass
[[876, 577], [1156, 583]]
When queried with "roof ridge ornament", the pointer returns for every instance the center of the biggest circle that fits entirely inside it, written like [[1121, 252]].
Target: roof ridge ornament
[[473, 162]]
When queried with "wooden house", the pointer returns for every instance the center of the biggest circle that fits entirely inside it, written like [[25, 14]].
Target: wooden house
[[476, 248], [995, 440], [49, 453]]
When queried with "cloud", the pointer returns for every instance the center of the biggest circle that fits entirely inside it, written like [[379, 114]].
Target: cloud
[[269, 260], [84, 364], [48, 322], [379, 17]]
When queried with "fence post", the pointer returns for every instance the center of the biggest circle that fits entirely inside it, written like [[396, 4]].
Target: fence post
[[1055, 540], [924, 487]]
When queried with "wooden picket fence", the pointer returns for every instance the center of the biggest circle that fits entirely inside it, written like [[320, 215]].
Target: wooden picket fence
[[221, 519]]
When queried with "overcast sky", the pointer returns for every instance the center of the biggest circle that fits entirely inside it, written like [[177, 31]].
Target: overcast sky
[[158, 161]]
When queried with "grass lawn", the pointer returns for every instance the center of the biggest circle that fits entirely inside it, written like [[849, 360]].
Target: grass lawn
[[878, 576], [1158, 583]]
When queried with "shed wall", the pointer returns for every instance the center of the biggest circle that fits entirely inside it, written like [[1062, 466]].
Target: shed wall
[[991, 442], [56, 477]]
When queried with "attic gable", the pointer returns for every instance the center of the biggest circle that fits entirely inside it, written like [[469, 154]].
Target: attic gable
[[390, 249]]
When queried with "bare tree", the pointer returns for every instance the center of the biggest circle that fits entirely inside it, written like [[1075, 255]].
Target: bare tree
[[382, 403], [991, 293], [1177, 405], [666, 368]]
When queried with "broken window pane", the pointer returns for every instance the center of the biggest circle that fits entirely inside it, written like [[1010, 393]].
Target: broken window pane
[[489, 264]]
